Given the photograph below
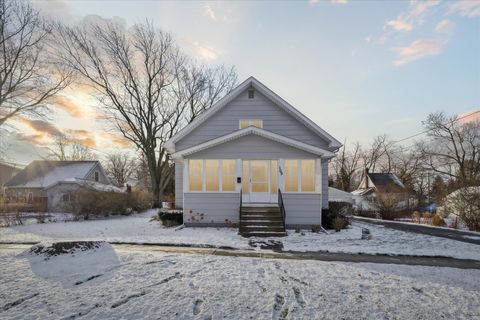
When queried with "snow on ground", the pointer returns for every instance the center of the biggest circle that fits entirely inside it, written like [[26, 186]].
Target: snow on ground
[[180, 286], [139, 228]]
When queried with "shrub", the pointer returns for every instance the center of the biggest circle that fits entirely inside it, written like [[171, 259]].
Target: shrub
[[90, 203], [437, 220], [465, 203], [139, 200], [41, 217], [416, 217], [339, 223], [329, 216], [316, 228], [427, 217]]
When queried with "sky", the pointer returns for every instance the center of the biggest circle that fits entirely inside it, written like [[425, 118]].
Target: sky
[[358, 69]]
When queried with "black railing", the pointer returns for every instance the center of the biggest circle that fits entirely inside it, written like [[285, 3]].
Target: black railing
[[282, 207]]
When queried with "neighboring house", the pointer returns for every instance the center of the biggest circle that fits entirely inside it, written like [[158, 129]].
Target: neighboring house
[[337, 195], [7, 171], [57, 182], [380, 185], [242, 152]]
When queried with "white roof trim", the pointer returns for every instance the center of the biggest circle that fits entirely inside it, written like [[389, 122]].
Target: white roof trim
[[251, 81], [256, 131]]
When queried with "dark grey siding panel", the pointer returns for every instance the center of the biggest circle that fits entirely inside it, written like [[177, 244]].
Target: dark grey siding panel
[[178, 185], [274, 119], [325, 183], [252, 147], [302, 208], [211, 207]]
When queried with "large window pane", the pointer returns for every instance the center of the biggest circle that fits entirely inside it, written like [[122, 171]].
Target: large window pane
[[273, 175], [195, 174], [245, 177], [308, 175], [256, 123], [212, 168], [291, 175], [228, 175], [244, 124]]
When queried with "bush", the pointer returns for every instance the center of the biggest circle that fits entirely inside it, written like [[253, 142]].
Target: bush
[[339, 223], [170, 219], [316, 228], [437, 220], [427, 217], [465, 203], [10, 219], [91, 203], [329, 216], [416, 217], [139, 200]]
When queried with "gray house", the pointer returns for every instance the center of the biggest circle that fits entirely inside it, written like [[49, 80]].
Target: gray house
[[56, 183], [252, 160]]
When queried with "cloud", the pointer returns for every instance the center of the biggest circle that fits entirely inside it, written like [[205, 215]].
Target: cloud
[[470, 116], [115, 139], [69, 106], [415, 16], [206, 52], [445, 26], [83, 137], [339, 1], [418, 49], [208, 11], [465, 8], [400, 25], [40, 126]]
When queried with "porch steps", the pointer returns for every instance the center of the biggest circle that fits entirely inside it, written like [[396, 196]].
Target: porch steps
[[258, 221]]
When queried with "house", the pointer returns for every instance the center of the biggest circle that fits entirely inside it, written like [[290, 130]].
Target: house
[[7, 171], [252, 159], [375, 187], [55, 183]]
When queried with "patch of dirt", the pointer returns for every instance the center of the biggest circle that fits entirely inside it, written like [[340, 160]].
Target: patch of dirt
[[58, 248], [274, 245]]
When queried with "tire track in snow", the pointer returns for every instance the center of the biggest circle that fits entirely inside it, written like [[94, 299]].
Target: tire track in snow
[[19, 301], [128, 298]]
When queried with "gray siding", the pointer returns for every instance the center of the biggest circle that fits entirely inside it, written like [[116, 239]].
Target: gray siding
[[252, 147], [55, 197], [325, 184], [274, 119], [302, 208], [213, 208], [178, 185], [102, 178]]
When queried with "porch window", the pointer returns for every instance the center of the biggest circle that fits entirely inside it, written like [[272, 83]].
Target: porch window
[[273, 175], [228, 175], [245, 176], [291, 175], [195, 174], [251, 123], [212, 175], [300, 175]]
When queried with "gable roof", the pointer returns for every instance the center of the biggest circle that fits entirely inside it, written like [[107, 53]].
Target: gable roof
[[256, 131], [252, 82], [386, 182], [43, 173]]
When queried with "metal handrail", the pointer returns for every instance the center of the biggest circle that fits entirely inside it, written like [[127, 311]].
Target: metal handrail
[[282, 207]]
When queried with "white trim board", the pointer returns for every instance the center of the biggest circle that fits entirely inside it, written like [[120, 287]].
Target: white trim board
[[256, 131], [251, 82]]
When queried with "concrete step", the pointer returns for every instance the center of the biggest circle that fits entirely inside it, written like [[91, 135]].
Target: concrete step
[[262, 228], [263, 234], [260, 214], [260, 209], [248, 223]]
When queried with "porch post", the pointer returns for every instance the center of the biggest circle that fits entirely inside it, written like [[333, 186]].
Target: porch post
[[281, 174], [318, 175]]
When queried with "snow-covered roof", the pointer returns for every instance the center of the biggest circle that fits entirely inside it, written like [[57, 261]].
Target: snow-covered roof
[[337, 195], [251, 82], [255, 131], [93, 185], [42, 174], [362, 192]]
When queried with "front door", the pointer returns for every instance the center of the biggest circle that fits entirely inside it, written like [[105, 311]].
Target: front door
[[260, 177]]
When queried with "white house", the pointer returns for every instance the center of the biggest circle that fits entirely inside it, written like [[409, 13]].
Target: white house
[[57, 182], [253, 160]]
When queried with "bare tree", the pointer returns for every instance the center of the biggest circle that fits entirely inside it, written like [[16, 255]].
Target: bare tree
[[64, 148], [453, 149], [25, 84], [120, 166], [346, 165], [147, 87]]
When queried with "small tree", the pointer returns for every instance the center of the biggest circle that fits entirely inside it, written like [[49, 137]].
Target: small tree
[[120, 166], [65, 148]]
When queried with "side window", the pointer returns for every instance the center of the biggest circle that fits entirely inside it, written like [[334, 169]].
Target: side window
[[65, 197], [96, 176]]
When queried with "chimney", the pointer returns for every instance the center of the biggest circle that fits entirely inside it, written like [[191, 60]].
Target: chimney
[[366, 178]]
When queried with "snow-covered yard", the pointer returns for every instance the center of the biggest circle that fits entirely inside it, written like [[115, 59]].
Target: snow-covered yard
[[136, 285], [139, 228]]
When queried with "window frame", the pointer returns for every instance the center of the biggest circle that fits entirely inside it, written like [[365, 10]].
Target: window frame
[[96, 176], [250, 123], [220, 177], [299, 177]]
